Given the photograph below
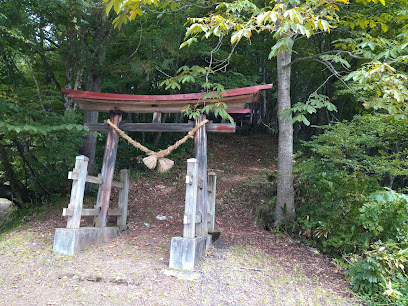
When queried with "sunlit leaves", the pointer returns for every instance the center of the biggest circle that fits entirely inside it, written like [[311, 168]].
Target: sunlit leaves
[[185, 74], [128, 10], [300, 109], [372, 1], [195, 28], [188, 42], [265, 17], [282, 45], [236, 36], [10, 129], [218, 108], [384, 88], [242, 19]]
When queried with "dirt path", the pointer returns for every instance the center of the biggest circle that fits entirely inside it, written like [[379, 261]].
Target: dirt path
[[247, 266]]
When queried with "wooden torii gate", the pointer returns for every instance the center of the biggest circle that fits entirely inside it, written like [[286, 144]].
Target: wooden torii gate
[[116, 105]]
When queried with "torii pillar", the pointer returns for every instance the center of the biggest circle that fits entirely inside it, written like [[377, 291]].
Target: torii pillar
[[108, 169]]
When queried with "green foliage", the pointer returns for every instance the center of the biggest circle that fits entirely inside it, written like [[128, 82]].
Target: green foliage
[[219, 109], [212, 92], [374, 145], [284, 20], [329, 204], [48, 140], [380, 39], [385, 215], [300, 110], [343, 209], [15, 120], [380, 274], [384, 88], [342, 167]]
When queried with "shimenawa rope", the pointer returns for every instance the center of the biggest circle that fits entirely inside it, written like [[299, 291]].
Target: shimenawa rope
[[154, 158]]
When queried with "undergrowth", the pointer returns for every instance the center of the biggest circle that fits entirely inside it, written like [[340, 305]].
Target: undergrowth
[[350, 184]]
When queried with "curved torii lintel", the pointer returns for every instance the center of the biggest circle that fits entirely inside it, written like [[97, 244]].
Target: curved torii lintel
[[104, 102]]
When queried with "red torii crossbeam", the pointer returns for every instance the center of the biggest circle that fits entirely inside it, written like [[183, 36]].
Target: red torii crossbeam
[[104, 102]]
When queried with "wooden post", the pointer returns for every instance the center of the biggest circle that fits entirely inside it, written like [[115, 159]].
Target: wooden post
[[190, 210], [123, 198], [212, 189], [77, 191], [200, 147], [108, 168], [157, 117]]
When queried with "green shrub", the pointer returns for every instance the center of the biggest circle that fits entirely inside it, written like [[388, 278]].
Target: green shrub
[[380, 274], [336, 173], [385, 216], [39, 143], [344, 209]]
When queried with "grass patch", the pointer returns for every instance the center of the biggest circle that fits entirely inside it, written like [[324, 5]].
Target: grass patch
[[22, 217]]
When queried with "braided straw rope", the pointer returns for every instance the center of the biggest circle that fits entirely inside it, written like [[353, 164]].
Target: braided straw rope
[[155, 158]]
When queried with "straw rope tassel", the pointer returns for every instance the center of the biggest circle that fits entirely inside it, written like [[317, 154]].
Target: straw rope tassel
[[154, 158]]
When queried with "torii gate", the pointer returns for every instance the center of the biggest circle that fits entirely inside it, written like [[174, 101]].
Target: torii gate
[[185, 251]]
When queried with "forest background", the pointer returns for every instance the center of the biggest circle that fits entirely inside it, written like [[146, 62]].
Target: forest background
[[340, 100]]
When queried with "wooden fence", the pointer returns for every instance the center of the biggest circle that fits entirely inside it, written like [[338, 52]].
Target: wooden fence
[[79, 177]]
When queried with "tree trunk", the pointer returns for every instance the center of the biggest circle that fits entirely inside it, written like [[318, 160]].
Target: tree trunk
[[89, 147], [285, 204], [17, 188]]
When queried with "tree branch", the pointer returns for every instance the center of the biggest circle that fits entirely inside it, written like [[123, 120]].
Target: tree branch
[[313, 57]]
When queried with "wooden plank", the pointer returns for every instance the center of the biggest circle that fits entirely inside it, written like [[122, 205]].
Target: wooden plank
[[108, 168], [123, 198], [190, 207], [144, 127], [89, 212], [212, 189], [77, 192], [200, 147], [73, 175], [164, 127], [97, 106], [221, 127]]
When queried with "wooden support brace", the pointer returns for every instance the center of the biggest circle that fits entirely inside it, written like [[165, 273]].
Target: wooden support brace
[[74, 174], [191, 198], [89, 212], [212, 189], [77, 192], [123, 198]]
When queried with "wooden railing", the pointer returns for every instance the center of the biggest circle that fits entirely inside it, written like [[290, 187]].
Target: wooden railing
[[79, 177]]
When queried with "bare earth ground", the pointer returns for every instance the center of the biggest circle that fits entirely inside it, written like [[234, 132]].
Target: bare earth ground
[[246, 266]]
